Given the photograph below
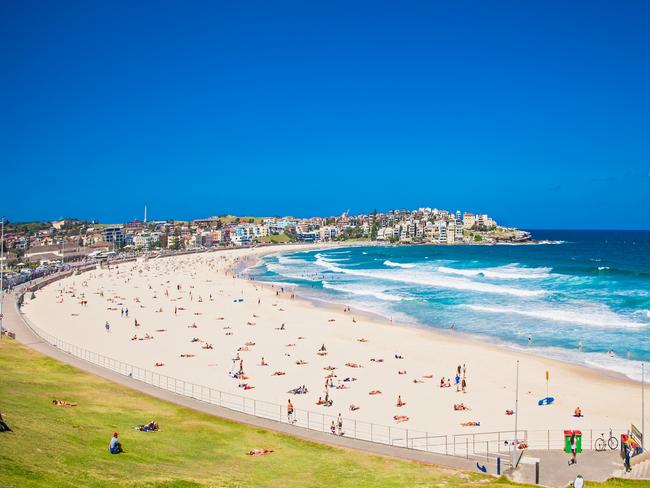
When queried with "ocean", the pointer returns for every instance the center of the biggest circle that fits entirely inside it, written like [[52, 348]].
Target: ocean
[[579, 296]]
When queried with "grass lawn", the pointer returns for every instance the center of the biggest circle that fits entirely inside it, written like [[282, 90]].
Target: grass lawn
[[67, 446]]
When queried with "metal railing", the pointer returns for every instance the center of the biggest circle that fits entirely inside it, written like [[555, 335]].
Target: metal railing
[[484, 446]]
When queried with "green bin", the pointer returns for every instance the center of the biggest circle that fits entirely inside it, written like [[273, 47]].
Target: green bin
[[567, 441]]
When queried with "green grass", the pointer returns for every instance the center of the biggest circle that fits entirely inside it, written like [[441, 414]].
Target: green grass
[[275, 238], [67, 446]]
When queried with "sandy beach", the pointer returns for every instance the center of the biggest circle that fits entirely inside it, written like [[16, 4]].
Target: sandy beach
[[198, 322]]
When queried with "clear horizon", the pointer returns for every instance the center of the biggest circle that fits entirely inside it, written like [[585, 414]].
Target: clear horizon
[[537, 114]]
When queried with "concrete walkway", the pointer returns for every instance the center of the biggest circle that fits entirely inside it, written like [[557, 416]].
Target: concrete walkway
[[14, 322], [555, 471]]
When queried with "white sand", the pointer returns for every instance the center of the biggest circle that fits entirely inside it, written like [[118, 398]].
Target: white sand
[[605, 400]]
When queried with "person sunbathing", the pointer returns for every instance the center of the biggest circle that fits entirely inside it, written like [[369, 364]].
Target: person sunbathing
[[415, 380], [322, 353], [400, 418], [150, 427], [399, 356], [187, 355], [354, 408], [448, 384], [193, 326], [510, 412], [401, 371], [263, 362], [379, 360], [63, 403], [332, 320], [159, 364], [400, 403], [249, 343], [428, 376], [134, 338], [374, 392], [259, 452], [195, 339], [460, 406], [300, 361], [329, 368], [220, 318], [577, 412], [362, 339], [279, 373], [250, 323], [471, 423], [350, 379], [352, 365], [207, 346], [161, 330]]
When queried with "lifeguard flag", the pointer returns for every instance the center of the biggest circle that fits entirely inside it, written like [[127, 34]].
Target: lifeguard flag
[[547, 376]]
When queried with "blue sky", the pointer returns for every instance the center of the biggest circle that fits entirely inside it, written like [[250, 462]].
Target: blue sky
[[537, 113]]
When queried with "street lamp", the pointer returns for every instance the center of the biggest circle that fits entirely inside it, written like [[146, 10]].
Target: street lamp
[[2, 264]]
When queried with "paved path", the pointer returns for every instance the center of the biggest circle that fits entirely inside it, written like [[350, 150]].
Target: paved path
[[555, 471], [14, 322]]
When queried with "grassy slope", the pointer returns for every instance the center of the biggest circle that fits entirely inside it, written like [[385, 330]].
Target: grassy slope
[[68, 446]]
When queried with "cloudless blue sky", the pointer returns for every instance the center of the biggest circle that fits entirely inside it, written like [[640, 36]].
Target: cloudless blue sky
[[537, 113]]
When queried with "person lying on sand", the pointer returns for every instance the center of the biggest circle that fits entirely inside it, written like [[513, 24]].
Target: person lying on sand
[[193, 326], [195, 339], [278, 373], [460, 406], [400, 403], [377, 360], [326, 402], [250, 323], [207, 346], [400, 418], [353, 365], [249, 343], [399, 356], [350, 379], [329, 368], [353, 407], [415, 380], [471, 424], [322, 353], [134, 338], [220, 318], [259, 452], [159, 364], [300, 362], [246, 386], [63, 403], [428, 376], [188, 355], [510, 412], [374, 392], [290, 345], [362, 339], [332, 320], [401, 371], [301, 390]]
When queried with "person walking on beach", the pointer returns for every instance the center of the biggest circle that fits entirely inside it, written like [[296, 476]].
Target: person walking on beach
[[628, 452], [457, 380], [463, 385], [290, 417], [108, 326], [573, 450], [340, 424]]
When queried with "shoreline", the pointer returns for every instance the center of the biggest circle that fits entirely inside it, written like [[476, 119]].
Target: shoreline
[[427, 354], [458, 336]]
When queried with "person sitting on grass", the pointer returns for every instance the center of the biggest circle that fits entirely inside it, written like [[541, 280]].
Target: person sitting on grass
[[3, 425], [115, 447]]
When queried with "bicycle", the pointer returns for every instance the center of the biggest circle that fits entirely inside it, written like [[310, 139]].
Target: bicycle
[[600, 444]]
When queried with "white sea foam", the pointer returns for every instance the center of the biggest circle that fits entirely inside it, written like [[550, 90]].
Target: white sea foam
[[429, 279], [603, 268], [365, 291], [508, 272], [592, 315], [399, 265]]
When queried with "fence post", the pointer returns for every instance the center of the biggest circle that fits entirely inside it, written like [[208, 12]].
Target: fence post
[[407, 438], [487, 451], [446, 450], [548, 440], [466, 448], [355, 428], [307, 418], [499, 442], [427, 441]]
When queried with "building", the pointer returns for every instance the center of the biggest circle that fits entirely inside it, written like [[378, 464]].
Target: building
[[114, 235]]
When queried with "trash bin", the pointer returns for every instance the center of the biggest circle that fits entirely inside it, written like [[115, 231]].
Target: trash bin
[[567, 441]]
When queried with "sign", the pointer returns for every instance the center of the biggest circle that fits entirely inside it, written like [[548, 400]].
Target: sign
[[636, 433]]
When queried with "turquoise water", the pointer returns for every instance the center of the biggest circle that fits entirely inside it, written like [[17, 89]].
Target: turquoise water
[[583, 297]]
